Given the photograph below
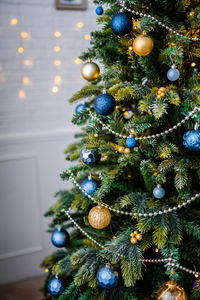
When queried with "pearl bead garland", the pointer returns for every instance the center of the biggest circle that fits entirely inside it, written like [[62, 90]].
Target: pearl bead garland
[[122, 3]]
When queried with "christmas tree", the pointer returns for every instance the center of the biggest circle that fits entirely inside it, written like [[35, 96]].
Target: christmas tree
[[130, 226]]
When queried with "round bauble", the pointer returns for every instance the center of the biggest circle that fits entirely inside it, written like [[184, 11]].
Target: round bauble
[[173, 74], [127, 150], [107, 278], [99, 217], [60, 238], [159, 192], [104, 104], [89, 156], [191, 140], [80, 108], [130, 142], [56, 286], [90, 71], [121, 24], [142, 45], [89, 186], [170, 291], [99, 10]]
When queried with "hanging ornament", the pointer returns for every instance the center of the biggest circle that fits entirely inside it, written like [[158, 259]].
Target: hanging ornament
[[81, 107], [60, 238], [89, 156], [191, 139], [90, 71], [121, 24], [56, 286], [131, 142], [127, 150], [142, 45], [161, 92], [128, 113], [90, 186], [99, 10], [173, 73], [135, 236], [107, 278], [171, 291], [99, 217], [104, 104], [159, 192]]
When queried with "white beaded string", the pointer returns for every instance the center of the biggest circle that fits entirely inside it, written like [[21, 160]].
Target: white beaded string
[[123, 4], [107, 127], [161, 212], [170, 262]]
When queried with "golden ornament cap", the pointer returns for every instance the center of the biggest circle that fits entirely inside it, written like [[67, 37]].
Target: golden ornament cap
[[90, 71], [142, 45], [170, 291], [99, 217]]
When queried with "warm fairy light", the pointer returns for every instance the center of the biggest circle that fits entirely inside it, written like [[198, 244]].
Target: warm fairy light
[[21, 94], [57, 34], [54, 89], [24, 35], [87, 37], [46, 270], [20, 50], [96, 135], [28, 62], [196, 275], [129, 175], [58, 79], [13, 22], [56, 48], [26, 80], [191, 13], [78, 61], [193, 64], [156, 250], [130, 48], [79, 25], [57, 62]]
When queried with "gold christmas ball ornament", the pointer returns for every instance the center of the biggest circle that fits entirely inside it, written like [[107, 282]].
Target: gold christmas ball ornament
[[90, 71], [142, 45], [138, 237], [99, 217], [133, 240], [121, 149], [170, 291], [127, 150]]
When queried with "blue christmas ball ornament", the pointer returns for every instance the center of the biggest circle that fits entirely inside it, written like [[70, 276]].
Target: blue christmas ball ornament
[[107, 278], [159, 192], [56, 286], [191, 140], [121, 24], [81, 107], [89, 186], [89, 156], [173, 74], [130, 142], [60, 238], [104, 104], [99, 10]]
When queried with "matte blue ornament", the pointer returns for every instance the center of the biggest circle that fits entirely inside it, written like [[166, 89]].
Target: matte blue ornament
[[121, 24], [81, 107], [99, 10], [159, 192], [104, 104], [60, 238], [173, 74], [107, 278], [130, 142], [191, 140], [56, 286], [89, 156], [89, 186]]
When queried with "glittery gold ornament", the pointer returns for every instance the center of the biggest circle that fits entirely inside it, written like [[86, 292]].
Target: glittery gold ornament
[[99, 217], [142, 45], [90, 71], [171, 291]]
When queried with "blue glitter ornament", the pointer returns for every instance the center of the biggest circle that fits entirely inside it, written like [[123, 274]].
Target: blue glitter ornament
[[105, 104], [158, 192], [89, 156], [99, 10], [90, 186], [60, 238], [173, 74], [191, 140], [107, 278], [56, 286], [81, 107], [121, 24], [130, 142]]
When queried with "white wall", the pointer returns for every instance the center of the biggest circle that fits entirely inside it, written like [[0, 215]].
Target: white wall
[[35, 125]]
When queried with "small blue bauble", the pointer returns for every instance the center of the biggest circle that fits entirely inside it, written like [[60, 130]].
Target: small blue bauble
[[173, 74], [89, 157], [191, 140], [107, 278], [89, 186], [159, 192], [60, 238], [99, 10], [104, 104], [81, 107], [130, 142], [121, 24], [56, 286]]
